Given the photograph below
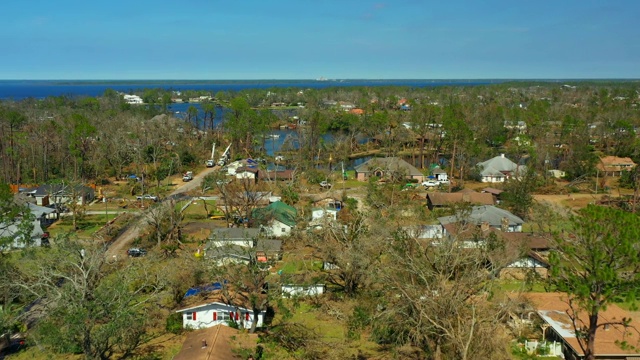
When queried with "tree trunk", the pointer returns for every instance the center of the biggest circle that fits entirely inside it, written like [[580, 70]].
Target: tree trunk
[[590, 351]]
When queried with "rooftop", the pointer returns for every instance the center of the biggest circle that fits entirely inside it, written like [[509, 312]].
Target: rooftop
[[554, 310]]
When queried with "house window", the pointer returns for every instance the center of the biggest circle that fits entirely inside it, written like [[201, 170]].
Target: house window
[[222, 316], [191, 316], [283, 230]]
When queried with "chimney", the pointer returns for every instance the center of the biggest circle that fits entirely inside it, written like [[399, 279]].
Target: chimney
[[502, 155], [607, 326], [504, 224]]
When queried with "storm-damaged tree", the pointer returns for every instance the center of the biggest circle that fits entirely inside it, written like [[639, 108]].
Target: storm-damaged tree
[[16, 226], [435, 297], [165, 219], [16, 221], [596, 263], [245, 284], [350, 250], [239, 197], [87, 305]]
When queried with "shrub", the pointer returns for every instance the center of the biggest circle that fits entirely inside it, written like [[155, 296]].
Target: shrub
[[174, 323]]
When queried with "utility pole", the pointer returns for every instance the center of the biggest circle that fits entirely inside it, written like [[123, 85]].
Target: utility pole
[[142, 197], [453, 159], [106, 215]]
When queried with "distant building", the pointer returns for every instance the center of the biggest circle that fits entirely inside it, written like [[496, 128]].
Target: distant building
[[613, 165], [499, 169], [277, 219], [132, 99], [485, 215], [439, 200], [393, 168]]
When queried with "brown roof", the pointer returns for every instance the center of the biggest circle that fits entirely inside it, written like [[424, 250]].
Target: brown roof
[[221, 342], [614, 163], [533, 241], [492, 191], [440, 199], [247, 169], [554, 307]]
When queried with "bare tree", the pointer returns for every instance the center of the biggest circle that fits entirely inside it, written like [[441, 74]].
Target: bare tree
[[86, 304], [350, 252], [437, 300]]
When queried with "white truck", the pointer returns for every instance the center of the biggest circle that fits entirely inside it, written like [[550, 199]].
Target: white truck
[[188, 176]]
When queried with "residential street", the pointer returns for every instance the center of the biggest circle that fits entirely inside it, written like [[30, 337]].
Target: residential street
[[120, 244]]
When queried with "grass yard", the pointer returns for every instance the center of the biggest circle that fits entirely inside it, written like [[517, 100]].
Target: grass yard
[[196, 210], [297, 266], [87, 226]]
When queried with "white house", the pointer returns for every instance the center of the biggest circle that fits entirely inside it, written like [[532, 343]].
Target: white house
[[11, 233], [499, 169], [218, 313], [246, 173], [440, 174], [221, 237], [277, 219], [132, 99], [292, 290], [321, 213]]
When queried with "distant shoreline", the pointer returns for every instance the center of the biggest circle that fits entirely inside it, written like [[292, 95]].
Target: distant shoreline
[[300, 81]]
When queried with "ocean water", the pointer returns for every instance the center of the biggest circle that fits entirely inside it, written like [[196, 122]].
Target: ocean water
[[17, 90]]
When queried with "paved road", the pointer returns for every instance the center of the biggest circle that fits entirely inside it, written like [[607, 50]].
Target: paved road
[[119, 245]]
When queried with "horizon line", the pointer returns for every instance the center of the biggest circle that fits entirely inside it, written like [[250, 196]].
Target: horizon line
[[345, 79]]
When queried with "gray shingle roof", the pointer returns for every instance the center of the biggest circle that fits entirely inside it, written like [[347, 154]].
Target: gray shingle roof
[[486, 213], [234, 234], [389, 163]]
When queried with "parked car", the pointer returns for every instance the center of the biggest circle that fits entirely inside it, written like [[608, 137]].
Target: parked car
[[136, 252], [443, 182], [188, 176], [430, 183], [325, 184], [211, 163], [147, 197]]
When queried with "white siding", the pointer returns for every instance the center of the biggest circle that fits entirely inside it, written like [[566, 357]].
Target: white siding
[[245, 175], [324, 213], [205, 316], [278, 229], [527, 262], [248, 243], [493, 179], [301, 290], [425, 231]]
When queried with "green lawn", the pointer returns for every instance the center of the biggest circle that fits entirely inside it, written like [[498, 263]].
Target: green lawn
[[87, 225], [196, 209], [297, 266]]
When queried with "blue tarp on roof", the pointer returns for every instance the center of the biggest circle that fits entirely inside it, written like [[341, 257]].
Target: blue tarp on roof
[[207, 288]]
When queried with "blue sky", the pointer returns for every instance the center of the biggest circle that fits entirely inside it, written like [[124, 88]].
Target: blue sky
[[308, 39]]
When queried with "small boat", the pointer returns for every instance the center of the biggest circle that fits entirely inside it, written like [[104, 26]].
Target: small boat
[[273, 136]]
